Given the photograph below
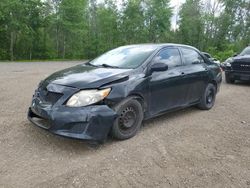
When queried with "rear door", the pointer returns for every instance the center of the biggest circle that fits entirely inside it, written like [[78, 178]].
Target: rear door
[[195, 73]]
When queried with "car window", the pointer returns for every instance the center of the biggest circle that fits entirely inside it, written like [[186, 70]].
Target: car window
[[170, 56], [127, 57], [191, 56], [207, 55], [246, 51]]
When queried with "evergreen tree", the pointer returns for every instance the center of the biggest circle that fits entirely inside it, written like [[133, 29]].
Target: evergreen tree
[[190, 25], [73, 29]]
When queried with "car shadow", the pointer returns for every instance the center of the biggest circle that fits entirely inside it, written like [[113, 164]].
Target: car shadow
[[48, 139], [82, 146], [150, 123]]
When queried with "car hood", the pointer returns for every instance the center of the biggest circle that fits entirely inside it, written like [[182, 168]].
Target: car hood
[[242, 59], [86, 76]]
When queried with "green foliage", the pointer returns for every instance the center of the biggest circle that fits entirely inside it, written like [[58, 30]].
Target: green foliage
[[191, 27], [77, 29], [157, 18], [222, 55], [133, 28]]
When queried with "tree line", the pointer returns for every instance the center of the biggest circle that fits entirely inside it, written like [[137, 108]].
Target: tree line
[[83, 29]]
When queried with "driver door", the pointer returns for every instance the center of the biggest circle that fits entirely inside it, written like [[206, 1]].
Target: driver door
[[167, 88]]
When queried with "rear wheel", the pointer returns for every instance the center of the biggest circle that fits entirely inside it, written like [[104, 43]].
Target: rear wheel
[[229, 80], [128, 122], [208, 97]]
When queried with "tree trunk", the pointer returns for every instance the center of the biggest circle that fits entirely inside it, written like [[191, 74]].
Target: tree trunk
[[57, 40], [11, 45], [64, 46], [30, 53]]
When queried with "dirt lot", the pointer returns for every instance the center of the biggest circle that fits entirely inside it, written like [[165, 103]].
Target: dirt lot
[[189, 148]]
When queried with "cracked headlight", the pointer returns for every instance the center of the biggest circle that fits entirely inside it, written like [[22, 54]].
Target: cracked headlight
[[87, 97]]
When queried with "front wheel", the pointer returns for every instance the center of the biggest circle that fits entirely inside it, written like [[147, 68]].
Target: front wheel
[[128, 122], [208, 97]]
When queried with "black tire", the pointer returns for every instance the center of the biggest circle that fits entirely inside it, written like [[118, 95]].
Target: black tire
[[229, 80], [208, 97], [128, 122]]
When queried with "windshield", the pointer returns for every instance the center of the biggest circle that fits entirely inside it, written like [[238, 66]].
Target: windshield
[[246, 51], [124, 57]]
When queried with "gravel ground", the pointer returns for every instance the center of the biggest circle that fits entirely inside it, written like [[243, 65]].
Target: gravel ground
[[189, 148]]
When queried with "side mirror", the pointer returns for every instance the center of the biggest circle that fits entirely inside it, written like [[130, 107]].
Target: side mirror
[[157, 67], [235, 55]]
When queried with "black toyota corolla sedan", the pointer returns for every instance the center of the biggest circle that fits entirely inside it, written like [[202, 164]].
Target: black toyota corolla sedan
[[114, 93]]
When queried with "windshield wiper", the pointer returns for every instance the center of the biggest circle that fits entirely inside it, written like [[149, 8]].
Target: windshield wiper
[[90, 64], [102, 65], [109, 66]]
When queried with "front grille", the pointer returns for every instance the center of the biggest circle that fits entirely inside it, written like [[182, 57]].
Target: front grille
[[241, 66], [53, 97], [47, 96]]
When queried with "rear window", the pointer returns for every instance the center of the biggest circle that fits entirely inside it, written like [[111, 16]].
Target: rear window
[[207, 55], [191, 56]]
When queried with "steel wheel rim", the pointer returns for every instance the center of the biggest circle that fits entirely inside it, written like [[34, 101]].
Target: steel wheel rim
[[128, 119], [210, 97]]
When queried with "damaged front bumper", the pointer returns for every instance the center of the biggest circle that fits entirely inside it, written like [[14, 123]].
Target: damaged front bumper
[[88, 123]]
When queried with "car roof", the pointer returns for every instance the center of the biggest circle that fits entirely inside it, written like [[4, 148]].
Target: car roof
[[162, 45]]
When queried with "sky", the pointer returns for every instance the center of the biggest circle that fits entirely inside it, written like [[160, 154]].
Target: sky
[[176, 6]]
